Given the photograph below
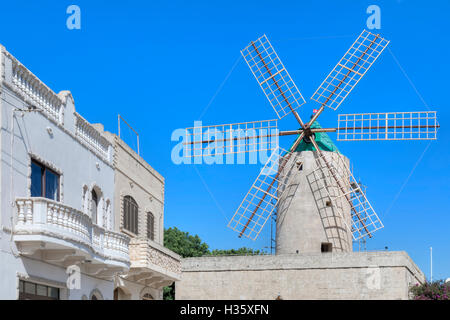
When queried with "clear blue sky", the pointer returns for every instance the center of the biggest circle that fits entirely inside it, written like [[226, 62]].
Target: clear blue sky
[[159, 63]]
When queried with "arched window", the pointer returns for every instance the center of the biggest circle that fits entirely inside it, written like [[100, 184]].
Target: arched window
[[96, 295], [150, 226], [147, 296], [130, 214], [94, 206]]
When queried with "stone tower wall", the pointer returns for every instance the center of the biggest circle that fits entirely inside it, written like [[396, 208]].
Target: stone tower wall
[[306, 217]]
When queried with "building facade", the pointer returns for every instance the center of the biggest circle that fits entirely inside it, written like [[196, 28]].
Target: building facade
[[139, 213], [59, 238]]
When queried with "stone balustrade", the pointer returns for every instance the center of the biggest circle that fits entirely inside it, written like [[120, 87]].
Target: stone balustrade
[[149, 255], [36, 91], [91, 137], [117, 241], [41, 216]]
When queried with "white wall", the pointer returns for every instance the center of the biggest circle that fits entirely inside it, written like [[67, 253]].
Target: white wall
[[13, 268], [77, 164], [63, 151]]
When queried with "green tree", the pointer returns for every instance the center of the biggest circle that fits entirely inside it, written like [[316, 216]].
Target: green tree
[[186, 246], [236, 252]]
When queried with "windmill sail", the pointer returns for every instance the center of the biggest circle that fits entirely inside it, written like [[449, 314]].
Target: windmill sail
[[364, 220], [350, 69], [420, 125], [272, 77], [231, 138], [346, 195], [262, 198]]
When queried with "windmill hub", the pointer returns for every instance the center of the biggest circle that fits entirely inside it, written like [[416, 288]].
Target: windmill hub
[[307, 135]]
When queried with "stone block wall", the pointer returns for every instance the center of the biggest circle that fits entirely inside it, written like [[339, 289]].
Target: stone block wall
[[351, 275]]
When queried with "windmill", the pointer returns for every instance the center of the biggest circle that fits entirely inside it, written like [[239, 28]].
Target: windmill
[[352, 212]]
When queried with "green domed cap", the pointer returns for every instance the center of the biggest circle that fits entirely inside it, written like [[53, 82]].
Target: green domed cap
[[323, 141]]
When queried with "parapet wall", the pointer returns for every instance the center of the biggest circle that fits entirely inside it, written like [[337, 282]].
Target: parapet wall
[[350, 275]]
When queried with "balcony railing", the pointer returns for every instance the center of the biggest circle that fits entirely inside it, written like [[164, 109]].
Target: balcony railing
[[153, 264], [36, 91], [44, 217], [91, 137]]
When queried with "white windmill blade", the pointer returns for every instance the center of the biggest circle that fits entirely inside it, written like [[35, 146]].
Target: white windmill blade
[[420, 125], [231, 138], [272, 77], [344, 191], [350, 69], [262, 198]]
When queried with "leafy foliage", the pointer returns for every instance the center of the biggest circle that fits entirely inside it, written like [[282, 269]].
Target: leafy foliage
[[236, 252], [184, 244], [436, 290], [169, 292]]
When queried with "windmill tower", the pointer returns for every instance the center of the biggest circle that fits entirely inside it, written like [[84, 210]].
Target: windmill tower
[[307, 220], [318, 203]]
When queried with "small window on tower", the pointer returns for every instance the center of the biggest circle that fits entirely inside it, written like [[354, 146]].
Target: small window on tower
[[326, 247], [328, 203]]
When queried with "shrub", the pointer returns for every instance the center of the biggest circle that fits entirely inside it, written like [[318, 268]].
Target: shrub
[[436, 290]]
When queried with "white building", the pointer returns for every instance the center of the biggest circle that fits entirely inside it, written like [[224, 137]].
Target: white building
[[58, 235]]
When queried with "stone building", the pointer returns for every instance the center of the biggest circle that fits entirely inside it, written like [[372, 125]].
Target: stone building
[[61, 236], [139, 213]]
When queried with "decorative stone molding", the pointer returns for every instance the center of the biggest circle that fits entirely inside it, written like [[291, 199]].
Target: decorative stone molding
[[147, 291], [91, 137], [148, 254], [97, 293], [41, 216], [32, 91], [101, 202], [36, 91], [107, 217], [85, 199]]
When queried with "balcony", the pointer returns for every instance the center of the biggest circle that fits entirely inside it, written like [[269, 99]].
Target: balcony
[[152, 264], [59, 234]]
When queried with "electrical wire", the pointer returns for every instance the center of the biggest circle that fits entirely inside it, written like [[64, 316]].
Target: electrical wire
[[407, 179], [211, 194], [220, 87]]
